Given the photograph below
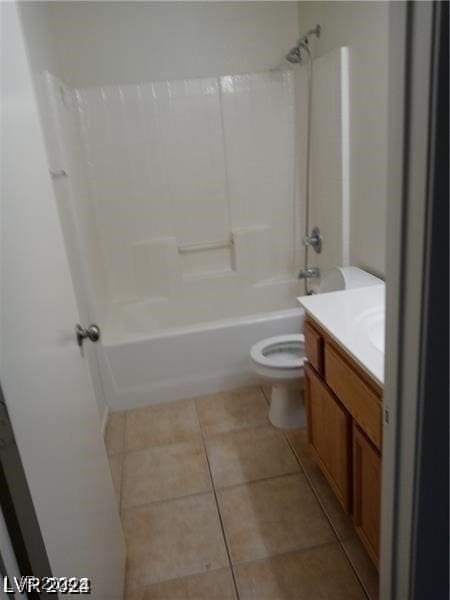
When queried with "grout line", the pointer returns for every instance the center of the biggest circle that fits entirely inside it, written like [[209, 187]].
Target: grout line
[[267, 399], [193, 440], [313, 489], [238, 430], [284, 553], [212, 488], [122, 468], [163, 500], [122, 464], [187, 576], [259, 480], [122, 475], [330, 521], [222, 527], [355, 571]]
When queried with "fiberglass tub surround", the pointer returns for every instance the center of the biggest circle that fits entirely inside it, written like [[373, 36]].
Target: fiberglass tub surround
[[193, 195], [192, 183]]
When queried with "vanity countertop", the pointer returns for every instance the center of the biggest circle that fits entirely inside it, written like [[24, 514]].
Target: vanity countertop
[[355, 320]]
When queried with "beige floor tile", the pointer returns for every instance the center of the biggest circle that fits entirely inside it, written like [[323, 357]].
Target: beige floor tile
[[161, 424], [171, 539], [115, 463], [321, 573], [248, 455], [215, 585], [115, 431], [341, 521], [230, 411], [362, 565], [272, 516], [164, 472]]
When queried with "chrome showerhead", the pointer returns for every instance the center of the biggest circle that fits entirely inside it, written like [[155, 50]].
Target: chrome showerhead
[[294, 56]]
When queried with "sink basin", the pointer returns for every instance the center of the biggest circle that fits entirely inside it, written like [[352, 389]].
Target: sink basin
[[372, 325]]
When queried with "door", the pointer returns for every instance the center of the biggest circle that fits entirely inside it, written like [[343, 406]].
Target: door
[[68, 186], [44, 376]]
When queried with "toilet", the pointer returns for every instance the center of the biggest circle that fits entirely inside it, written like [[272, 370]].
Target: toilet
[[279, 360]]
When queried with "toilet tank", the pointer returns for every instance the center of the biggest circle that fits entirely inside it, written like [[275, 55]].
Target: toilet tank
[[345, 278]]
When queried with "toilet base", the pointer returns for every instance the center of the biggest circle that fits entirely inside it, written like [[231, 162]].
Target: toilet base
[[287, 407]]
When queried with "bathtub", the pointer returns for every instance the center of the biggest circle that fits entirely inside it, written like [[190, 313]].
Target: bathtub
[[147, 360]]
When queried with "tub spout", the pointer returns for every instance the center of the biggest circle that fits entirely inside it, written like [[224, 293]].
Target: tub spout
[[310, 273]]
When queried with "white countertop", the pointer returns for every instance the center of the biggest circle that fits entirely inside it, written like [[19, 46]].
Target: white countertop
[[355, 320]]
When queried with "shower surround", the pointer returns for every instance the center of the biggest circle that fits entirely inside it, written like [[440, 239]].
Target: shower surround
[[188, 188], [188, 199], [192, 184]]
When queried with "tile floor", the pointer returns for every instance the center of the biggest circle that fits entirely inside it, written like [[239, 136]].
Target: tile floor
[[216, 504]]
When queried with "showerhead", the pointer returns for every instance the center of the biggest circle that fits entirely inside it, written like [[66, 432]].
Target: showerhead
[[294, 56]]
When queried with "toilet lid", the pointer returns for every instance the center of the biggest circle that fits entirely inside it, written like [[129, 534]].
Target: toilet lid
[[280, 351]]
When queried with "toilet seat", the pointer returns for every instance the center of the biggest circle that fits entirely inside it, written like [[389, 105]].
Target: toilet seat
[[280, 357]]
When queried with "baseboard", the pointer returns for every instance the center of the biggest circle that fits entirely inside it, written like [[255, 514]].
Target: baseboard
[[105, 416]]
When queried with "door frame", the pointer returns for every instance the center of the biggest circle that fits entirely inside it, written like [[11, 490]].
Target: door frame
[[412, 304], [27, 554]]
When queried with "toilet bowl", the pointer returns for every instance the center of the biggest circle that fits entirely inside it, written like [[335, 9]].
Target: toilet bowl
[[279, 360]]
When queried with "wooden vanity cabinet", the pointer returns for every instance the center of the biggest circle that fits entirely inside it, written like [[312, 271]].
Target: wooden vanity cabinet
[[366, 492], [329, 435], [343, 407], [314, 347]]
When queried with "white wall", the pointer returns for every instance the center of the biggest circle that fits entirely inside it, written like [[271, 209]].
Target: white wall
[[363, 27], [129, 42]]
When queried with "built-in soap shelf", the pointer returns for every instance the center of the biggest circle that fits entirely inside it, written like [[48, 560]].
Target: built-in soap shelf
[[201, 246], [245, 253]]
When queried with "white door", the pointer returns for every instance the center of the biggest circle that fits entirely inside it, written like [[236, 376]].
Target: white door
[[44, 376]]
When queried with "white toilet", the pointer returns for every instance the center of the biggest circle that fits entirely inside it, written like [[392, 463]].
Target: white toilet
[[279, 360]]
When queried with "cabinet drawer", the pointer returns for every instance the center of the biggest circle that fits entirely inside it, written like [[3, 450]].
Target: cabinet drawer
[[314, 347], [357, 397], [366, 492], [329, 435]]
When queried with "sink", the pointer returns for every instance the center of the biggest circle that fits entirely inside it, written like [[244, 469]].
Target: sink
[[372, 324]]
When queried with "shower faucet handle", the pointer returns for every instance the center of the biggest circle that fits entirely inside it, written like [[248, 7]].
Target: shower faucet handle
[[314, 240]]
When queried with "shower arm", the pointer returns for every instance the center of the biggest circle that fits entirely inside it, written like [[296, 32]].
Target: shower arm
[[304, 39]]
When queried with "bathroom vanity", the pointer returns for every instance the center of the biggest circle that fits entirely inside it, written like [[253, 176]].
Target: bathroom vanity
[[343, 394]]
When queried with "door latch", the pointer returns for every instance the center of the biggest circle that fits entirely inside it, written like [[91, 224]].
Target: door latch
[[91, 333]]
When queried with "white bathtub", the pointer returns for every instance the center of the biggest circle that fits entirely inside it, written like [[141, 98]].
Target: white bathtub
[[141, 366]]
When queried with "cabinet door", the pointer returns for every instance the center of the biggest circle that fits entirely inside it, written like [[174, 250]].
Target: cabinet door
[[366, 492], [329, 435], [314, 347]]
